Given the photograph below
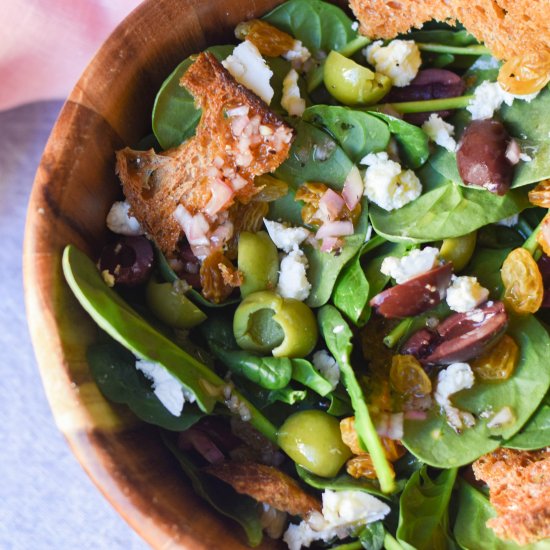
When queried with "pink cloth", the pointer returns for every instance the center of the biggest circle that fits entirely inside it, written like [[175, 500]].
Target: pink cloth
[[46, 44]]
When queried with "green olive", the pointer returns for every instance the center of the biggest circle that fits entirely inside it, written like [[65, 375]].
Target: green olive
[[265, 322], [258, 262], [353, 84], [313, 440], [459, 250], [169, 304]]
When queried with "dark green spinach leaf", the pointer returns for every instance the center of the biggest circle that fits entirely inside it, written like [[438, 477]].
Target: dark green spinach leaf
[[536, 433], [114, 371], [357, 132], [434, 442], [305, 373], [423, 510], [372, 536]]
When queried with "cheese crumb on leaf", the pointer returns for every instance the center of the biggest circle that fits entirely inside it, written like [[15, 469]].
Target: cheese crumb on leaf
[[414, 263], [400, 60], [465, 294], [440, 132]]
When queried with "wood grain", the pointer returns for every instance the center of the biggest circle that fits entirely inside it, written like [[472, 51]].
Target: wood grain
[[74, 188]]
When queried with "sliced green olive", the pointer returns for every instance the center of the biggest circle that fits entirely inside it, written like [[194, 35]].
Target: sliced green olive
[[459, 250], [258, 262], [313, 440], [353, 84], [168, 303], [265, 322]]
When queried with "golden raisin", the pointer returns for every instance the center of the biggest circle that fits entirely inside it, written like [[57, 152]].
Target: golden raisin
[[271, 188], [540, 195], [523, 287], [361, 466], [498, 362], [543, 236], [408, 377], [527, 73], [245, 217], [268, 39], [214, 275]]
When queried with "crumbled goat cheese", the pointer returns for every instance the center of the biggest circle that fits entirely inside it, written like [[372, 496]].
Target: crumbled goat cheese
[[440, 132], [298, 55], [489, 96], [465, 294], [400, 60], [293, 281], [328, 367], [414, 263], [387, 184], [273, 521], [509, 222], [249, 68], [119, 220], [286, 238], [166, 386], [454, 378], [502, 417], [344, 512], [355, 26], [291, 100]]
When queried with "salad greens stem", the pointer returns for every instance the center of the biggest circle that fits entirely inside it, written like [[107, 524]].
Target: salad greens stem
[[390, 543], [398, 332], [442, 104], [355, 45], [531, 244], [524, 228], [459, 50]]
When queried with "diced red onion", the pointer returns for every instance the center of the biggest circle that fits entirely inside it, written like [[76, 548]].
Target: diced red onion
[[238, 124], [513, 152], [390, 425], [202, 444], [416, 415], [237, 111], [222, 193], [331, 243], [334, 229], [331, 204], [353, 188]]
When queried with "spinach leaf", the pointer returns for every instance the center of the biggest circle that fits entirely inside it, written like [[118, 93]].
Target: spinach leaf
[[357, 132], [342, 482], [444, 210], [485, 265], [314, 156], [319, 25], [175, 116], [443, 36], [221, 496], [338, 338], [128, 328], [114, 371], [305, 373], [286, 208], [536, 433], [470, 531], [372, 536], [423, 509], [411, 140], [434, 442], [357, 285], [287, 395], [324, 267]]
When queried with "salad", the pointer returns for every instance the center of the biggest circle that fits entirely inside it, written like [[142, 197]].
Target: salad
[[327, 285]]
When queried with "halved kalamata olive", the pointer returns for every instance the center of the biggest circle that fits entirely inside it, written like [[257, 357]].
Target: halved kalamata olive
[[428, 84], [415, 295], [128, 260], [481, 156], [460, 337]]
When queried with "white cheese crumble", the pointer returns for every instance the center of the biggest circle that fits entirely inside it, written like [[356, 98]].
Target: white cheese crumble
[[355, 26], [465, 294], [291, 100], [273, 521], [440, 132], [285, 238], [298, 55], [400, 60], [169, 390], [387, 184], [510, 221], [119, 220], [327, 366], [414, 263], [489, 96], [454, 378], [249, 68], [501, 418], [344, 512], [293, 281]]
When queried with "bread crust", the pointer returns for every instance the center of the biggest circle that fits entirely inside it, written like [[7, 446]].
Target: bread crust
[[155, 184], [519, 484], [268, 485]]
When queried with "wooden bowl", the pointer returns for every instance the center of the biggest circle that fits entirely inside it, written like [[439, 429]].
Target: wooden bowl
[[75, 185]]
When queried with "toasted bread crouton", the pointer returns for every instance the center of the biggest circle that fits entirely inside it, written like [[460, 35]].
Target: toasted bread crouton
[[509, 28], [519, 483], [387, 19], [237, 138], [268, 485]]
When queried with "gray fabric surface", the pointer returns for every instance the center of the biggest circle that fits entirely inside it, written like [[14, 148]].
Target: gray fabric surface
[[46, 499]]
